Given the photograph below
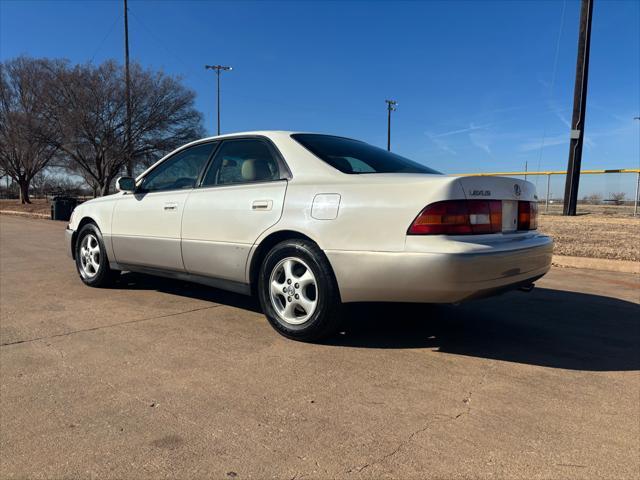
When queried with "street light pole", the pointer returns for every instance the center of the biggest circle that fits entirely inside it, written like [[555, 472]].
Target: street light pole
[[218, 97], [218, 69], [391, 107]]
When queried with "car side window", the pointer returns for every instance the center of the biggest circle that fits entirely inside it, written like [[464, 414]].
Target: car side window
[[358, 166], [179, 171], [242, 161]]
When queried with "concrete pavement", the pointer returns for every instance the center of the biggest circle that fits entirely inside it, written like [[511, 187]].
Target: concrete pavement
[[158, 378]]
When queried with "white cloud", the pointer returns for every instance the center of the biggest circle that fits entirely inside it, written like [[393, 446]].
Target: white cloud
[[441, 144], [470, 128], [482, 141], [548, 142]]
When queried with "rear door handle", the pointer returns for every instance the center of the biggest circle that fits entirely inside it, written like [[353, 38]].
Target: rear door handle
[[262, 205], [170, 206]]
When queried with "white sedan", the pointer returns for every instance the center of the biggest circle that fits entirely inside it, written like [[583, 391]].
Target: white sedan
[[308, 222]]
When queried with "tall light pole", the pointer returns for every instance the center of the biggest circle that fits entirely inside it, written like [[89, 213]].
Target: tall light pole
[[218, 69], [391, 107], [127, 91]]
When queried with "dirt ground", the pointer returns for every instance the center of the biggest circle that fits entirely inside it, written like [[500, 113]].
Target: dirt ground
[[594, 236], [39, 205]]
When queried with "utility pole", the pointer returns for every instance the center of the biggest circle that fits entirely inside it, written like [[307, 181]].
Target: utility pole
[[579, 110], [218, 69], [127, 91], [391, 107], [636, 200]]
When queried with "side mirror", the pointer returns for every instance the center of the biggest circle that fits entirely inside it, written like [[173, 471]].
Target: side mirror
[[126, 184]]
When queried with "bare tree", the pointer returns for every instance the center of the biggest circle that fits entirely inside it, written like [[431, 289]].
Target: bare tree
[[594, 198], [39, 183], [163, 115], [617, 197], [25, 146], [89, 111]]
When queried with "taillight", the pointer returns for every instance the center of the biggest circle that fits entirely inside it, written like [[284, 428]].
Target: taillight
[[527, 215], [485, 216], [459, 217]]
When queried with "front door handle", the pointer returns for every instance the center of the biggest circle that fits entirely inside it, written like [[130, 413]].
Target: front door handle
[[262, 205], [170, 206]]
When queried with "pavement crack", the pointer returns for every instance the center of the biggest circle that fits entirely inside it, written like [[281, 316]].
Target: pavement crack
[[443, 417], [111, 325], [383, 458]]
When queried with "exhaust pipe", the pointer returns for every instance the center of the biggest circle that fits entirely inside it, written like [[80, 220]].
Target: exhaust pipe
[[527, 288]]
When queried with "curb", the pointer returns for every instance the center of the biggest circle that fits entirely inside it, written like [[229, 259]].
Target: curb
[[623, 266], [25, 214]]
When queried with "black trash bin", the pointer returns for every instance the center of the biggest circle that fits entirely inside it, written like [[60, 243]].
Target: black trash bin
[[61, 207]]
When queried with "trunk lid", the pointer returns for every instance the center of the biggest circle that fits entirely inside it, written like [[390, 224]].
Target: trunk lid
[[497, 188], [509, 190]]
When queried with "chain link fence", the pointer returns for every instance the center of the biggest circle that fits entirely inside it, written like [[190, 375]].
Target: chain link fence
[[606, 192]]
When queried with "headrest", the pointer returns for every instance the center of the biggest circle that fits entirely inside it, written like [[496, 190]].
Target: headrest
[[255, 169], [341, 164], [228, 162]]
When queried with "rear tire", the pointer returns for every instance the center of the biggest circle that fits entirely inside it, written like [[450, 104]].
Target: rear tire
[[298, 291], [92, 262]]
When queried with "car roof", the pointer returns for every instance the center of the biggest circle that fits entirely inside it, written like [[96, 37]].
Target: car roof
[[265, 133], [300, 161]]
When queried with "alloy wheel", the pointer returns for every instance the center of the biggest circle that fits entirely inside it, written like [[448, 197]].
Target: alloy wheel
[[293, 290], [90, 256]]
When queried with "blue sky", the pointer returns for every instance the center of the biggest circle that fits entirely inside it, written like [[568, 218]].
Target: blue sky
[[481, 85]]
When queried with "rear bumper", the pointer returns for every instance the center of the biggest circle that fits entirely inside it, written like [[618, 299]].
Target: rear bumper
[[68, 241], [439, 277]]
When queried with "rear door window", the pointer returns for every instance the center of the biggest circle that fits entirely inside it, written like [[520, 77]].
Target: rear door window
[[242, 161], [356, 157]]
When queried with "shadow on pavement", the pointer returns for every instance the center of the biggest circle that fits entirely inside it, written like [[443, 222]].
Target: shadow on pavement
[[140, 281], [552, 328]]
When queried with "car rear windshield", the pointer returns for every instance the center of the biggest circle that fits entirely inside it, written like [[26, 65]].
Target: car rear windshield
[[356, 157]]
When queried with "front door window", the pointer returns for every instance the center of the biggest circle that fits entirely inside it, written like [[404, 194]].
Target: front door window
[[180, 171]]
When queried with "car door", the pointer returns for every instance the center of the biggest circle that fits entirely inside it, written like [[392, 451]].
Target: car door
[[146, 224], [241, 195]]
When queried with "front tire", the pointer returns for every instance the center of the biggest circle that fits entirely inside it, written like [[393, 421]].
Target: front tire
[[92, 262], [298, 291]]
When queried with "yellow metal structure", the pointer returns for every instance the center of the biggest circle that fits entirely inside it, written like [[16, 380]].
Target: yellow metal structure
[[548, 172]]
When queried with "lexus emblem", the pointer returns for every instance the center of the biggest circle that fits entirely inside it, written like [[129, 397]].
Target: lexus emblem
[[517, 190]]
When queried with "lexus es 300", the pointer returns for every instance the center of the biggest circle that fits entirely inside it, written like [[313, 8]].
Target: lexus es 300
[[308, 222]]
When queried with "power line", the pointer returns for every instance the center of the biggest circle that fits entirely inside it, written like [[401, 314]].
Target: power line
[[553, 80], [157, 39], [104, 39]]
